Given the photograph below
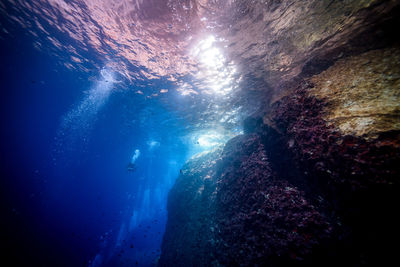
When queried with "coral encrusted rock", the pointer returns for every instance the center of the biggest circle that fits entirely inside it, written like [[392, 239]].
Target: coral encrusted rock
[[261, 218]]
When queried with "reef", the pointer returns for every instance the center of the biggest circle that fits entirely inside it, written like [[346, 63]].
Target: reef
[[314, 179]]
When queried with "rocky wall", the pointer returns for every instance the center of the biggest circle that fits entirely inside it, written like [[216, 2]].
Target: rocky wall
[[188, 240], [314, 180], [299, 188], [275, 43]]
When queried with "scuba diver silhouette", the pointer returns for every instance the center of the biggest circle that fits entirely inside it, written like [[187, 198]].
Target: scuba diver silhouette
[[131, 165]]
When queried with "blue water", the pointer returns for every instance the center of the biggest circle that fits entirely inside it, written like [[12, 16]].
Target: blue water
[[66, 140]]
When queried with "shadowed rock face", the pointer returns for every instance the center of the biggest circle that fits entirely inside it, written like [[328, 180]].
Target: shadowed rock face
[[315, 179], [295, 191], [190, 237], [237, 211], [275, 42], [262, 218], [354, 177]]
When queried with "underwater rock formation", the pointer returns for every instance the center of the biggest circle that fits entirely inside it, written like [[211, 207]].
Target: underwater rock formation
[[191, 211], [294, 190], [314, 180], [236, 210], [340, 131], [276, 42], [362, 93], [260, 217]]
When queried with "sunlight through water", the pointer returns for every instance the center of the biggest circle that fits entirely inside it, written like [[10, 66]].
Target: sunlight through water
[[215, 72]]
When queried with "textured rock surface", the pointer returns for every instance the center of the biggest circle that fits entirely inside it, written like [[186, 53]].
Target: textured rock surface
[[188, 240], [315, 179], [276, 41], [294, 192], [322, 146], [262, 218], [237, 211], [356, 179], [362, 93]]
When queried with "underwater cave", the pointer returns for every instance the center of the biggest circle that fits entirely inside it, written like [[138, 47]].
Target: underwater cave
[[199, 132]]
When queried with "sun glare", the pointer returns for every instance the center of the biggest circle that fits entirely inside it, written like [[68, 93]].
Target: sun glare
[[215, 72]]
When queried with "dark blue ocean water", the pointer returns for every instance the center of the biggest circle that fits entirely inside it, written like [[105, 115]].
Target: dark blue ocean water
[[66, 139]]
